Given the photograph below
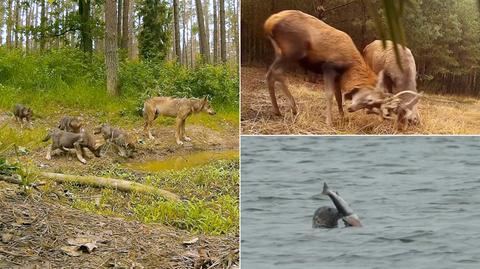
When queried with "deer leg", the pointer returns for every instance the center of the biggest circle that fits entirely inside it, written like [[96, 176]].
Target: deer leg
[[272, 75], [329, 84], [339, 98], [283, 86]]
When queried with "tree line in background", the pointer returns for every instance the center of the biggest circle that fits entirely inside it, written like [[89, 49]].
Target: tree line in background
[[444, 35], [149, 30]]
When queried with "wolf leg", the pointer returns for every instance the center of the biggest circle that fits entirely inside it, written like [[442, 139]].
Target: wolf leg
[[178, 131], [149, 117], [184, 136], [78, 151], [49, 152]]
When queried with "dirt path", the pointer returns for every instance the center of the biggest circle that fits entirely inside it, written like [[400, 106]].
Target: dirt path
[[440, 114], [36, 231]]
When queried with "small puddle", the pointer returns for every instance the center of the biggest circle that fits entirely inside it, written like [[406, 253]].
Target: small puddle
[[179, 162]]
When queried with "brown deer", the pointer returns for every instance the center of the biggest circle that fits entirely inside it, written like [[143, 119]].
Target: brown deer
[[300, 38]]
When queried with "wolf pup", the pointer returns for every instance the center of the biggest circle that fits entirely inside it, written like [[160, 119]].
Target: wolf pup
[[66, 140], [124, 143], [71, 124], [180, 108], [22, 112]]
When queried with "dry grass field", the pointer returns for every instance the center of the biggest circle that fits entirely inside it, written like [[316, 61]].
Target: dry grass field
[[440, 114]]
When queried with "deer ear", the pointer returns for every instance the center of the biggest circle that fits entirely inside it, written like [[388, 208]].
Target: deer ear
[[384, 83], [349, 95]]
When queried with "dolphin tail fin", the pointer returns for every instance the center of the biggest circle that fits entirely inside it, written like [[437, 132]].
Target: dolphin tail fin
[[325, 188]]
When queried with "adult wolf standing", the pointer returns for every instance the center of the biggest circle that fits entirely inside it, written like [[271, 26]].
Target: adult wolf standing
[[179, 108]]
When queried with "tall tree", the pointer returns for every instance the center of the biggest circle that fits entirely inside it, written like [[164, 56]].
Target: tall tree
[[17, 15], [28, 25], [86, 42], [132, 42], [2, 12], [184, 24], [206, 10], [43, 25], [111, 57], [223, 38], [119, 22], [201, 31], [9, 23], [215, 32], [125, 24], [177, 30], [154, 37]]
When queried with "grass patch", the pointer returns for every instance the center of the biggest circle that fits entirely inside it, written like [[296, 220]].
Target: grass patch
[[211, 192], [440, 114], [28, 138]]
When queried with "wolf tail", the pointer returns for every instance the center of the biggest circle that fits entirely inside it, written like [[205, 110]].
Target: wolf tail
[[325, 188], [47, 137]]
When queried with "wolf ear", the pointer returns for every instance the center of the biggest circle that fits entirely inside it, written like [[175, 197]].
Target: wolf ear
[[349, 95], [205, 99]]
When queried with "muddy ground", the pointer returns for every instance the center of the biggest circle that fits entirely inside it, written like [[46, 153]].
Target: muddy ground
[[440, 114], [162, 147], [36, 227]]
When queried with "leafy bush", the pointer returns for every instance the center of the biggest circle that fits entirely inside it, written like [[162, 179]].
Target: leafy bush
[[69, 77], [219, 83]]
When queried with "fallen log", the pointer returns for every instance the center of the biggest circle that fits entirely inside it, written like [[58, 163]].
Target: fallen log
[[15, 179], [103, 182]]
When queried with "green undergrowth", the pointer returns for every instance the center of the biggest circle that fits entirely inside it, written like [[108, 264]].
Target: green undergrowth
[[11, 136], [70, 79]]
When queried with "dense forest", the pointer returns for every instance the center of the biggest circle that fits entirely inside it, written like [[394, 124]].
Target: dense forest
[[443, 35], [128, 47]]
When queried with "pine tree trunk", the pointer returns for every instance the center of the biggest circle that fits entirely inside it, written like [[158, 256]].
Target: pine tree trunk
[[43, 25], [111, 57], [2, 12], [192, 40], [125, 25], [9, 23], [119, 23], [201, 31], [215, 32], [207, 28], [132, 43], [35, 25], [177, 31], [223, 39], [184, 50], [85, 29], [17, 23], [236, 33], [29, 14]]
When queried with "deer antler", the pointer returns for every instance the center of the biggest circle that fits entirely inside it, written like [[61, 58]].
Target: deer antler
[[391, 105]]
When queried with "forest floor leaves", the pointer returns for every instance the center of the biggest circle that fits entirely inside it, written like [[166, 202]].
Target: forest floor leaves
[[36, 233], [440, 114]]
